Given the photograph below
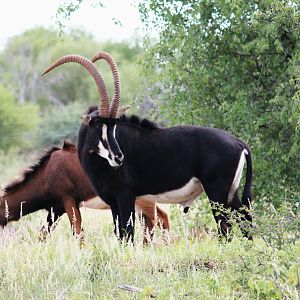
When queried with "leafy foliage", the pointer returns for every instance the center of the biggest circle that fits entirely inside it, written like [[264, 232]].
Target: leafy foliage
[[25, 57], [67, 9], [15, 120], [233, 65], [70, 87], [61, 124]]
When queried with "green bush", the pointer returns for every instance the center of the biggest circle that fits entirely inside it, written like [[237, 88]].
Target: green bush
[[17, 122], [59, 124], [233, 65], [12, 161]]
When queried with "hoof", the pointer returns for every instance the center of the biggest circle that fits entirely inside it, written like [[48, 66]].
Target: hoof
[[186, 209]]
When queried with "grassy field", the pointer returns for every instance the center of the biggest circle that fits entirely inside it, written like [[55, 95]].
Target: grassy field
[[188, 263]]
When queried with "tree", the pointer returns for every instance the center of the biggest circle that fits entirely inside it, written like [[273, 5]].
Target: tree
[[27, 55], [15, 120], [60, 124], [233, 65], [69, 88]]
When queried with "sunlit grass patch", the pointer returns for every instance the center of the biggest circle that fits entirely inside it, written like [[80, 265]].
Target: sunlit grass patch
[[189, 263]]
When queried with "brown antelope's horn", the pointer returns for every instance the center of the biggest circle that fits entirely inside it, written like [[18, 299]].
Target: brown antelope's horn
[[117, 83], [104, 102]]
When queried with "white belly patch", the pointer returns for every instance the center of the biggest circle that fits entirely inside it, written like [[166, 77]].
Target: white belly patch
[[184, 195], [95, 203]]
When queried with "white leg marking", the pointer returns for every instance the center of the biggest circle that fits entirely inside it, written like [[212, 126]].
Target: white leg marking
[[238, 175]]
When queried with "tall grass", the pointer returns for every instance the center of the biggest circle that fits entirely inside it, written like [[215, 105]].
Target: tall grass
[[190, 263]]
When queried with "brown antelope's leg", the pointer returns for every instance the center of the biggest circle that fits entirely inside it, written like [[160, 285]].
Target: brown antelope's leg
[[73, 212], [149, 223], [147, 215], [150, 214], [163, 218], [52, 220]]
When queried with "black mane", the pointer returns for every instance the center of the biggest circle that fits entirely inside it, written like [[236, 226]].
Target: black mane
[[91, 109], [68, 145], [139, 122], [28, 173], [133, 120]]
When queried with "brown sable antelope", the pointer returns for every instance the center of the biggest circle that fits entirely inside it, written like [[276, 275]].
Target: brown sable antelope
[[58, 184]]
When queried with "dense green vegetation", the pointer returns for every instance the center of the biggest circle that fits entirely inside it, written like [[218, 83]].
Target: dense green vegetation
[[233, 65], [66, 93], [15, 120]]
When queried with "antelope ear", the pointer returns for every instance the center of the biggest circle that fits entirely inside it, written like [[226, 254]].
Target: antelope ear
[[85, 119], [121, 111]]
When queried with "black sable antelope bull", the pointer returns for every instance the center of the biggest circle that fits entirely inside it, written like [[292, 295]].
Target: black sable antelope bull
[[58, 184], [127, 158]]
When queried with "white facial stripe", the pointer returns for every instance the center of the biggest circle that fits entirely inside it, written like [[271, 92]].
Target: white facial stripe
[[103, 152], [105, 138], [104, 133], [114, 134], [114, 131]]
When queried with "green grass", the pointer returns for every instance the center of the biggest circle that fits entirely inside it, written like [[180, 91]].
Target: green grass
[[188, 264]]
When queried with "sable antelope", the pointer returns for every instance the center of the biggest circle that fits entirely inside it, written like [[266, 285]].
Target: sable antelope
[[127, 158], [58, 184]]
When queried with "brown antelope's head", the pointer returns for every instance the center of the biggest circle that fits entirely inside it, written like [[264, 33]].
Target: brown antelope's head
[[101, 123]]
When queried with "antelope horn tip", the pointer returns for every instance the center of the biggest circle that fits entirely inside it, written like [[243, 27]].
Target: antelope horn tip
[[45, 72]]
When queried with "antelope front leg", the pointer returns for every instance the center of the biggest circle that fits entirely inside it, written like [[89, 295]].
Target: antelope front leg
[[148, 227], [126, 217], [52, 219], [73, 212], [116, 215]]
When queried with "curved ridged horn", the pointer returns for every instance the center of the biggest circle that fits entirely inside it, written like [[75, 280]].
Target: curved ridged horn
[[117, 83], [104, 102]]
